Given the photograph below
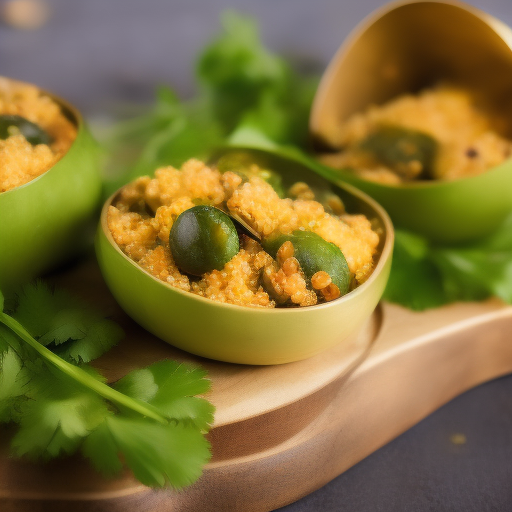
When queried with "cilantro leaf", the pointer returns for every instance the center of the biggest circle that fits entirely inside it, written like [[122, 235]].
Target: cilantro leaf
[[242, 85], [7, 339], [181, 132], [99, 337], [466, 274], [55, 318], [480, 269], [170, 387], [14, 381], [37, 306], [425, 275], [152, 423], [235, 70], [57, 417], [159, 455], [414, 282], [248, 85], [102, 450]]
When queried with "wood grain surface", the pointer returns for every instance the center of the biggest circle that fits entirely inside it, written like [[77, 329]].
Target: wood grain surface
[[282, 431]]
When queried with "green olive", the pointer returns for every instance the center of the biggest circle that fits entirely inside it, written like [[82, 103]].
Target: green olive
[[31, 131], [398, 148], [314, 254], [202, 239]]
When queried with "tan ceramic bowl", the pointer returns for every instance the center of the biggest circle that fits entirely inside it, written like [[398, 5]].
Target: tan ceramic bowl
[[243, 334], [401, 48]]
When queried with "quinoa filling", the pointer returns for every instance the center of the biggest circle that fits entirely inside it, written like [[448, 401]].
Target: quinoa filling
[[20, 160], [142, 216], [441, 133]]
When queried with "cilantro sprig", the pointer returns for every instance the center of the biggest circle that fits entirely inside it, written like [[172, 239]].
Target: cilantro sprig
[[425, 275], [240, 83], [150, 420]]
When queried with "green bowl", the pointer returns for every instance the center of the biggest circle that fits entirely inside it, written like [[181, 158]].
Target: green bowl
[[45, 221], [240, 334], [445, 211]]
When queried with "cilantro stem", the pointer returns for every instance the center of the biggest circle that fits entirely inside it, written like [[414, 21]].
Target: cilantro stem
[[80, 375]]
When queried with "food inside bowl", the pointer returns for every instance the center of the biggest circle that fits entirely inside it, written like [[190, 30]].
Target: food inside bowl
[[229, 235], [34, 133], [441, 133]]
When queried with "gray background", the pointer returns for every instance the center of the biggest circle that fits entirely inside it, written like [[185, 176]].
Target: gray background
[[104, 54], [99, 53]]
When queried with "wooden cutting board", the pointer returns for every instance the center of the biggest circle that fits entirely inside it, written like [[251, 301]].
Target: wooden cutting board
[[281, 432]]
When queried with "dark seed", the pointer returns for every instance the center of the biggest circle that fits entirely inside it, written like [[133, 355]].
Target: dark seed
[[471, 153]]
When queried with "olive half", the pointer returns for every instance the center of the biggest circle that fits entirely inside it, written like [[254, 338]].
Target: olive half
[[32, 132], [202, 239], [410, 153], [314, 254]]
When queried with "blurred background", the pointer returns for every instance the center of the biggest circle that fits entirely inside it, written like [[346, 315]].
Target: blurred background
[[108, 56], [100, 54]]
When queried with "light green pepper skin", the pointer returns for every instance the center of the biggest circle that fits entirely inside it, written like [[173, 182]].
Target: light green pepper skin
[[247, 335], [47, 220], [202, 239], [314, 254]]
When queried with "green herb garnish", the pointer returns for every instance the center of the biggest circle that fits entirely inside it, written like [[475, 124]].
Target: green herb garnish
[[425, 275], [241, 84], [150, 420]]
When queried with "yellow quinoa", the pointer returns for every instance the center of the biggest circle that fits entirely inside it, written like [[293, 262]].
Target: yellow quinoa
[[141, 217], [21, 162], [468, 143]]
